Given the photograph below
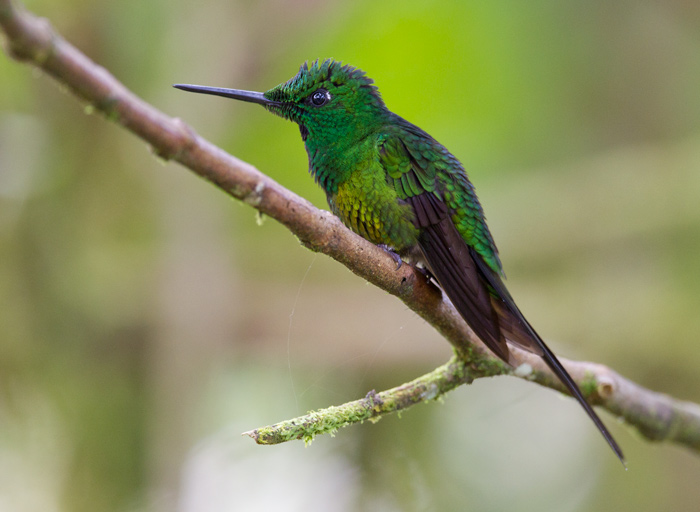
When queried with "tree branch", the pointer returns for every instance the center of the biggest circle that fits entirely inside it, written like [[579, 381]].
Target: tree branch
[[656, 416], [431, 386]]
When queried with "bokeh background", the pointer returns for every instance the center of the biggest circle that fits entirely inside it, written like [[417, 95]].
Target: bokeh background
[[146, 320]]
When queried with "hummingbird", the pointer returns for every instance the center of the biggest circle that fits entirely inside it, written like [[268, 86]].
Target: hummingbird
[[396, 186]]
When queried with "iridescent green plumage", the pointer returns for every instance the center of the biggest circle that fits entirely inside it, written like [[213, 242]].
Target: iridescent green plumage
[[360, 150], [395, 185]]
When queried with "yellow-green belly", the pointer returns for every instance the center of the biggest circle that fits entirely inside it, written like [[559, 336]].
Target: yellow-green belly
[[367, 205]]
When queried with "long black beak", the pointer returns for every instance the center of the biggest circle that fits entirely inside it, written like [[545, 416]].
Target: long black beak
[[236, 94]]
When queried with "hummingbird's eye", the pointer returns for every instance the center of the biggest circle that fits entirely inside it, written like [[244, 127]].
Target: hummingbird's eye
[[320, 97]]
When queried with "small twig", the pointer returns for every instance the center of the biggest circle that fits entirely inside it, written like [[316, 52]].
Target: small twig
[[375, 405], [656, 416]]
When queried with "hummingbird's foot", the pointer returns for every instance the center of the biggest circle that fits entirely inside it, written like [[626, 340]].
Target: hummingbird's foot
[[394, 255], [423, 270]]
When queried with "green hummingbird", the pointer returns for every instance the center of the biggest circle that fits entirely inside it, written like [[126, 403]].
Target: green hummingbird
[[396, 186]]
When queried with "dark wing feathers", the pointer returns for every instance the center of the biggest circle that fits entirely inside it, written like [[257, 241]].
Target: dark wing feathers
[[514, 327], [428, 209], [475, 289], [446, 254], [448, 258]]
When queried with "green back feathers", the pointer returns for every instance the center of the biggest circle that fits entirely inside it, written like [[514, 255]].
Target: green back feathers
[[416, 164]]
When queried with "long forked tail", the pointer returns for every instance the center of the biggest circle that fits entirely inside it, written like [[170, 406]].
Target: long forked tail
[[482, 299]]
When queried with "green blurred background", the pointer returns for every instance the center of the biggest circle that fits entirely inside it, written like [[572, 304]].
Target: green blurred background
[[146, 320]]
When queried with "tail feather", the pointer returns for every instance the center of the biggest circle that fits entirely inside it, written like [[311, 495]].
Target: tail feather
[[482, 299]]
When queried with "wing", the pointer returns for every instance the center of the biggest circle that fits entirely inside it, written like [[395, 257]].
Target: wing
[[460, 253], [417, 179]]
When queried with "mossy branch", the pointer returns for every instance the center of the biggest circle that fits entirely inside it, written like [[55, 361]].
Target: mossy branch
[[429, 387], [656, 416]]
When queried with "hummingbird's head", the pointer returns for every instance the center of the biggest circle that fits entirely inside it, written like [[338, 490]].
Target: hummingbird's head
[[328, 100]]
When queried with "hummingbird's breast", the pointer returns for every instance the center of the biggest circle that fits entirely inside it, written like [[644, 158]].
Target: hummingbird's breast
[[366, 203]]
